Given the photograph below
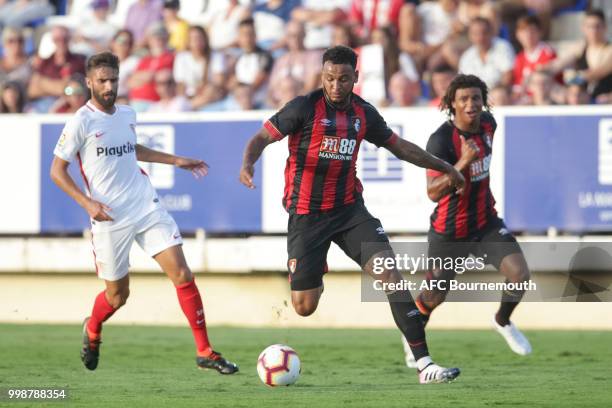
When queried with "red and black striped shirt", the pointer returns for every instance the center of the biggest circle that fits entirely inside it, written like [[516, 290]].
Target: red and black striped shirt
[[460, 216], [324, 141]]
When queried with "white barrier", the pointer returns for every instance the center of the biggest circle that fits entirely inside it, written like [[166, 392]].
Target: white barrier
[[397, 198], [228, 255]]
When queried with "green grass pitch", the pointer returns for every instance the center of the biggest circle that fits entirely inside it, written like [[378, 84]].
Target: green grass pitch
[[154, 366]]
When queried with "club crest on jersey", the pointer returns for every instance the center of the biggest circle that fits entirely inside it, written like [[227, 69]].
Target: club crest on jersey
[[292, 265], [488, 139], [357, 124]]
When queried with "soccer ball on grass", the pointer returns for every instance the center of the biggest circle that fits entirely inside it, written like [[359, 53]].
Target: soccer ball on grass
[[278, 365]]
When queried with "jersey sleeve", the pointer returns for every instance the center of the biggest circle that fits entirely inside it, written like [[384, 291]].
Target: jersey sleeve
[[290, 119], [71, 139], [378, 132], [438, 146]]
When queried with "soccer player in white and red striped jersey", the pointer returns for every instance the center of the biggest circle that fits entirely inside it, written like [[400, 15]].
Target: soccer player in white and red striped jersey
[[124, 207]]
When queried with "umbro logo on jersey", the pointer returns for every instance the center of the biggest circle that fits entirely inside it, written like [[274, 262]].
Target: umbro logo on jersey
[[99, 134], [380, 231], [175, 236], [504, 231], [326, 122]]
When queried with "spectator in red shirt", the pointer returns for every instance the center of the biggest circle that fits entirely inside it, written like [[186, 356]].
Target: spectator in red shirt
[[141, 83], [534, 53], [51, 75], [371, 14]]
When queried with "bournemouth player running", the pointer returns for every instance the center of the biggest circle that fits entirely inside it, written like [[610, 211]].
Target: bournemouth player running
[[323, 194], [468, 223], [124, 208]]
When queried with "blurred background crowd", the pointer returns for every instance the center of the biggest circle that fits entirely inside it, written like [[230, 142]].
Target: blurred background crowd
[[227, 55]]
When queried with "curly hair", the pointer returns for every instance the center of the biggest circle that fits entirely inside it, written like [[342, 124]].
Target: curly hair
[[340, 55], [463, 81]]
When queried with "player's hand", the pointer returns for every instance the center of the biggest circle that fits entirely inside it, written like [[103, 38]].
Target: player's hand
[[469, 150], [198, 168], [246, 176], [456, 179], [98, 211]]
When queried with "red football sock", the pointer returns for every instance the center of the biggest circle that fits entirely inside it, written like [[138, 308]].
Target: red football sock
[[191, 303], [102, 310]]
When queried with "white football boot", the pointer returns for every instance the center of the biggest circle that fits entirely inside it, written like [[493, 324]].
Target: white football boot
[[434, 374], [513, 336]]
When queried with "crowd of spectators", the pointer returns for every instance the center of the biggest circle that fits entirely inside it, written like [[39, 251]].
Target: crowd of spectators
[[220, 55]]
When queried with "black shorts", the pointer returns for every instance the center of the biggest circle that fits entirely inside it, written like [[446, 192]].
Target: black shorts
[[309, 237], [494, 242]]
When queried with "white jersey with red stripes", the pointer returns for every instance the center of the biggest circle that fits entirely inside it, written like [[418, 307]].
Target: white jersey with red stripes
[[105, 148]]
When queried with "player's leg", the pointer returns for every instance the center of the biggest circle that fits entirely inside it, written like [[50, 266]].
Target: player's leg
[[111, 249], [308, 241], [305, 302], [429, 299], [506, 255], [159, 236], [438, 248], [405, 312]]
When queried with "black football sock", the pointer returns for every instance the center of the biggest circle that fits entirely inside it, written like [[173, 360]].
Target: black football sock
[[509, 301], [408, 319]]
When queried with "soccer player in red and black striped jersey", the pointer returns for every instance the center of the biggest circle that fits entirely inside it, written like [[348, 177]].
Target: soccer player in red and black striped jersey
[[323, 194], [468, 223]]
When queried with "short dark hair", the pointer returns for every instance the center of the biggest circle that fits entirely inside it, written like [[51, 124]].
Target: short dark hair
[[247, 22], [528, 21], [102, 59], [443, 68], [596, 13], [340, 55], [463, 81]]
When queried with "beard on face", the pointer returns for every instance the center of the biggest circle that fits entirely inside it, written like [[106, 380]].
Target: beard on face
[[107, 100]]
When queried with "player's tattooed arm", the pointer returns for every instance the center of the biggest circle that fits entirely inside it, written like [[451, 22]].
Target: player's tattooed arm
[[407, 151], [253, 150], [198, 167], [439, 186], [60, 176]]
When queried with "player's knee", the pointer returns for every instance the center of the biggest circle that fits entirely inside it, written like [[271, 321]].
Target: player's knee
[[516, 272], [183, 275], [304, 307]]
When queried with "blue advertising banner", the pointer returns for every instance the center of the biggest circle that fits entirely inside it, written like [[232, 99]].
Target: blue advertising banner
[[558, 173], [217, 203]]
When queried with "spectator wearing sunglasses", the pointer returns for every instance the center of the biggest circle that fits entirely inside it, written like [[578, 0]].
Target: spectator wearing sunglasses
[[15, 65]]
